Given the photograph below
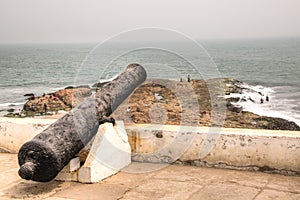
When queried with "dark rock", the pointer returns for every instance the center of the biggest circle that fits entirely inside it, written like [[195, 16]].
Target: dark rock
[[232, 86], [99, 85], [233, 99], [251, 100], [276, 123], [28, 95], [233, 108], [10, 110], [77, 87], [12, 115]]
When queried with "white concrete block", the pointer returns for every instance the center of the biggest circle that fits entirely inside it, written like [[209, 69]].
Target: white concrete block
[[70, 171], [67, 176], [73, 165], [110, 152]]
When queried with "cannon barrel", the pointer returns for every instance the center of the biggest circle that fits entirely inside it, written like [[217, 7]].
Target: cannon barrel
[[42, 158]]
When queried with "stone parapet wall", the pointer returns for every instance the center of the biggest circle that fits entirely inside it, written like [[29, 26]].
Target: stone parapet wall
[[251, 149], [14, 132]]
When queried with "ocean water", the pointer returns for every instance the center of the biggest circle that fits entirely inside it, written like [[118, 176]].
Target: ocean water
[[269, 66]]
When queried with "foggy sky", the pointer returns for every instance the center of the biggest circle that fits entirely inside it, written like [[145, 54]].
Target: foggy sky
[[31, 21]]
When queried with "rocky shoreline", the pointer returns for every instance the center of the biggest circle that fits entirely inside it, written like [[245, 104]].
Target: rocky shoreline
[[195, 103], [176, 107], [49, 104]]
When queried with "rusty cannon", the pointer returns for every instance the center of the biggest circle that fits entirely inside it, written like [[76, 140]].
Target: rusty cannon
[[42, 158]]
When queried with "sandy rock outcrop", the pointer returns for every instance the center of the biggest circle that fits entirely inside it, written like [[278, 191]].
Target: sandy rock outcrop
[[64, 99]]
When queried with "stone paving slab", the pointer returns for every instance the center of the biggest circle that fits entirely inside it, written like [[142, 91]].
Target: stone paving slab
[[152, 181], [225, 191], [277, 195]]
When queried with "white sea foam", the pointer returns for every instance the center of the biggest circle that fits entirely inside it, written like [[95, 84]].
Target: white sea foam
[[11, 104], [108, 80], [277, 106]]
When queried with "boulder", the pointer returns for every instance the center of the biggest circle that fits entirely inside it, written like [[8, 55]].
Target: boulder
[[64, 99], [99, 85], [274, 123], [44, 104], [72, 96], [234, 108]]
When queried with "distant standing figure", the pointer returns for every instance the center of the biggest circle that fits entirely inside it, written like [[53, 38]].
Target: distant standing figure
[[267, 98], [181, 82], [261, 100], [45, 108], [188, 78]]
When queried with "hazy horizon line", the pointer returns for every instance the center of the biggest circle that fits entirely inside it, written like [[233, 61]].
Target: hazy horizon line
[[198, 40]]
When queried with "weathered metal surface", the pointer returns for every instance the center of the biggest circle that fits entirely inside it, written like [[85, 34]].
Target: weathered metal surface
[[46, 154]]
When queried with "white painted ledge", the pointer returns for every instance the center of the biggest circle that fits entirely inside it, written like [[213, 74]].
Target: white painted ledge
[[204, 146]]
